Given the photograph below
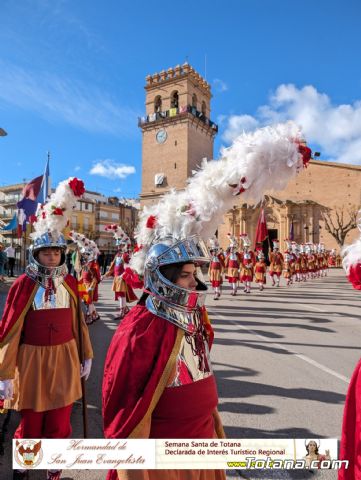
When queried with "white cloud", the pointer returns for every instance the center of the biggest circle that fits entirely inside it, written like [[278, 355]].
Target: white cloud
[[60, 99], [238, 124], [220, 85], [77, 168], [334, 129], [110, 169]]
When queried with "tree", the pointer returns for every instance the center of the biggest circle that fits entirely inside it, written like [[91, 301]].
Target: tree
[[339, 221]]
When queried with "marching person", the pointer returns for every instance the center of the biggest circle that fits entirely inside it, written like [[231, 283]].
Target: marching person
[[232, 263], [304, 263], [287, 268], [158, 377], [260, 269], [89, 275], [247, 263], [216, 267], [123, 291], [45, 345], [276, 264], [351, 425]]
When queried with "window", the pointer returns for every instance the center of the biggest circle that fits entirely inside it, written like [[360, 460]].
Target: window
[[73, 222], [115, 216], [86, 206], [103, 214], [159, 179], [158, 104], [204, 108], [174, 99], [194, 100], [86, 223]]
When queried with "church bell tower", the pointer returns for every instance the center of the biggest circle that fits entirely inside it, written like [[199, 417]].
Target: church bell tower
[[176, 128]]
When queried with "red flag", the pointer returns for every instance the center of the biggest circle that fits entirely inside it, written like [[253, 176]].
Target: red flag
[[32, 189], [261, 231]]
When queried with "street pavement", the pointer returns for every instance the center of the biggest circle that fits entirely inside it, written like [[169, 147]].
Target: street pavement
[[282, 359]]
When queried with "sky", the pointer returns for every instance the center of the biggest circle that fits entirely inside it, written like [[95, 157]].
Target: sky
[[72, 76]]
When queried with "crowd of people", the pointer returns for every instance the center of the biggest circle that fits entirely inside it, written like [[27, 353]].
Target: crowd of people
[[239, 264]]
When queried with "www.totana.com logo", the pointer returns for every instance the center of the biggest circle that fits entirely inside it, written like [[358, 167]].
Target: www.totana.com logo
[[28, 453]]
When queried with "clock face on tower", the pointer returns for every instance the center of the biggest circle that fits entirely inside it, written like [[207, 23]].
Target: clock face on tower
[[161, 136]]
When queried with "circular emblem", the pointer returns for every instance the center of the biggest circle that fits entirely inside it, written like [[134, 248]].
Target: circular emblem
[[161, 136], [28, 453]]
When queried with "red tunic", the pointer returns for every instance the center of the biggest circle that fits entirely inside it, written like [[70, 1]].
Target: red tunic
[[350, 446], [138, 365]]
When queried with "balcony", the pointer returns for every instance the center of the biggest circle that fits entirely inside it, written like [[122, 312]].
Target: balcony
[[176, 113]]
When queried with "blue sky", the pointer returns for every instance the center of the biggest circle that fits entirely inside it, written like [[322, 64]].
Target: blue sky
[[72, 76]]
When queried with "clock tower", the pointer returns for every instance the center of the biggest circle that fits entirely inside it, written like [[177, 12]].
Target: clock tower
[[176, 128]]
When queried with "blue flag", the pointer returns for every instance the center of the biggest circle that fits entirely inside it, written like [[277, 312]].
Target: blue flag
[[43, 193], [13, 223]]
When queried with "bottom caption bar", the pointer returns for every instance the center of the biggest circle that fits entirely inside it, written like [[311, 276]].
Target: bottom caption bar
[[207, 454]]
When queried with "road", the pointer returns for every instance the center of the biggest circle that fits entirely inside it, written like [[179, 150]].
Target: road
[[282, 359]]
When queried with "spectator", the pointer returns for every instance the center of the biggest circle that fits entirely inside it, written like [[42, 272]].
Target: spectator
[[10, 253], [3, 260], [101, 259]]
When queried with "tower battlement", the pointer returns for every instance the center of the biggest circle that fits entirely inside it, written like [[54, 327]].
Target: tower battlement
[[179, 71]]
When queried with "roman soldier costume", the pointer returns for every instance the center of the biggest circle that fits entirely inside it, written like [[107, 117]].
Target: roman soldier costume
[[247, 263], [158, 377], [216, 267], [287, 268], [332, 258], [123, 290], [296, 262], [260, 269], [351, 426], [276, 264], [304, 264], [89, 275], [232, 263], [45, 346]]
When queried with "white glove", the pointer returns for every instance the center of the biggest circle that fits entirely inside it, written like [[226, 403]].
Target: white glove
[[6, 389], [85, 368]]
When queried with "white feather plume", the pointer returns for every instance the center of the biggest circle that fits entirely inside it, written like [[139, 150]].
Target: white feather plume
[[352, 253], [84, 243], [118, 233], [49, 219], [256, 162]]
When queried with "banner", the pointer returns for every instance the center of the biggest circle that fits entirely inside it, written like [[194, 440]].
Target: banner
[[207, 454]]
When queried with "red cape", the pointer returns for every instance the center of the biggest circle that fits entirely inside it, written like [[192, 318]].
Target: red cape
[[350, 447], [17, 301], [354, 276], [135, 362]]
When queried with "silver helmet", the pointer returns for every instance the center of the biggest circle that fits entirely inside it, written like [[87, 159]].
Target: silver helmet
[[168, 300], [39, 272]]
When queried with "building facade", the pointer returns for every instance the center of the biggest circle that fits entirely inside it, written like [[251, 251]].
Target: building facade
[[323, 189], [92, 213], [177, 134]]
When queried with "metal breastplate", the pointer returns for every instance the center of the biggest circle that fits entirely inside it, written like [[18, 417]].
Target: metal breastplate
[[189, 367], [118, 261], [58, 299]]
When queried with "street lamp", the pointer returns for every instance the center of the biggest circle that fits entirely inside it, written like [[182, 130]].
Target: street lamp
[[2, 132]]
